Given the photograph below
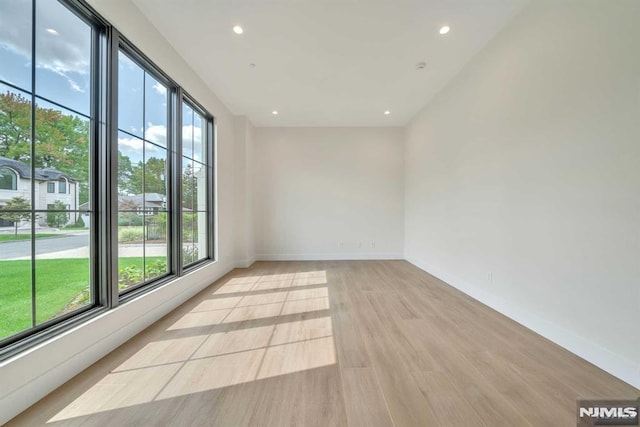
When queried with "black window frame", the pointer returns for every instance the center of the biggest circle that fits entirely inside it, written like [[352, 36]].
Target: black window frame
[[106, 43], [210, 182], [23, 340], [138, 58]]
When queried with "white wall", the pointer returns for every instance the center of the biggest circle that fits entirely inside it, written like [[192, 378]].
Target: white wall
[[525, 167], [30, 376], [523, 179], [243, 160], [328, 193]]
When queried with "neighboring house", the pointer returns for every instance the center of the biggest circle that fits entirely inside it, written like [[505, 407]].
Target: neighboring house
[[51, 185], [144, 208], [146, 204]]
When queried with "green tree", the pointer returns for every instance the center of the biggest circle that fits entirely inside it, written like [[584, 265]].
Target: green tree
[[125, 170], [189, 188], [57, 219], [142, 177], [15, 210], [155, 172], [62, 140], [15, 123]]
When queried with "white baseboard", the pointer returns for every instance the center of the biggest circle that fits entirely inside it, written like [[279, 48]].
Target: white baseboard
[[603, 358], [335, 256], [245, 263]]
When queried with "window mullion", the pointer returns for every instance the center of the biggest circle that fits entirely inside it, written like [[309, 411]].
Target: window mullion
[[211, 192], [33, 163], [176, 181], [109, 197]]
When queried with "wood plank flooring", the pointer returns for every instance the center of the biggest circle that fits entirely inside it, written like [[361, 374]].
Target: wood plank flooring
[[330, 343]]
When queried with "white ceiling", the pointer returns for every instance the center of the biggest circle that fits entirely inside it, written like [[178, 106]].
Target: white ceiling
[[327, 62]]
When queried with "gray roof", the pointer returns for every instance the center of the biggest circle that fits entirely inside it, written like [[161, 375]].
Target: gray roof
[[42, 174], [151, 200]]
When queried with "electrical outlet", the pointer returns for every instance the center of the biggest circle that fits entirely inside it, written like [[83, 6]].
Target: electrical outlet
[[341, 245], [373, 244], [490, 277]]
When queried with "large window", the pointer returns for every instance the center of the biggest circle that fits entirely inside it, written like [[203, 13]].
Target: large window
[[143, 160], [45, 119], [194, 189], [103, 194]]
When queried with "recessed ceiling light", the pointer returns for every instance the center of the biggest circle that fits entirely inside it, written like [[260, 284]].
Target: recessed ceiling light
[[274, 112], [445, 29], [421, 65], [387, 112], [52, 31], [238, 29], [252, 65]]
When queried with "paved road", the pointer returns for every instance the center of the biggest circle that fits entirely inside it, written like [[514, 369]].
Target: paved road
[[22, 248]]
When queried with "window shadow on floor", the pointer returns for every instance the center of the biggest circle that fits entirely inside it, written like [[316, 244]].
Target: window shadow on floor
[[248, 329]]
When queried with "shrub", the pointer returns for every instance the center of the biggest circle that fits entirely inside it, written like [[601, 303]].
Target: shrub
[[129, 275], [129, 218], [132, 274], [155, 269], [189, 254], [79, 300], [57, 219], [131, 234], [190, 224]]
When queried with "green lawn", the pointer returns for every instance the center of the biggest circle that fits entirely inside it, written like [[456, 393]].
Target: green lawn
[[58, 282], [13, 237]]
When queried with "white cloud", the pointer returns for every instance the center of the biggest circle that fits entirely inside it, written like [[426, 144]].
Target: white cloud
[[74, 85], [196, 131], [160, 89], [130, 147], [187, 132], [156, 133], [68, 51]]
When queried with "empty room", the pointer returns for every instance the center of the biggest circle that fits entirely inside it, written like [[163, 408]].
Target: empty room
[[319, 213]]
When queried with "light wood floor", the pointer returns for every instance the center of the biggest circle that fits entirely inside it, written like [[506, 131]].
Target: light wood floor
[[335, 343]]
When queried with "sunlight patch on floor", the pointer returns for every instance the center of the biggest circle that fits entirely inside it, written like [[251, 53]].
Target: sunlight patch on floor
[[269, 327]]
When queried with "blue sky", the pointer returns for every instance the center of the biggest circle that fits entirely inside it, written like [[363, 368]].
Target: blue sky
[[63, 53]]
